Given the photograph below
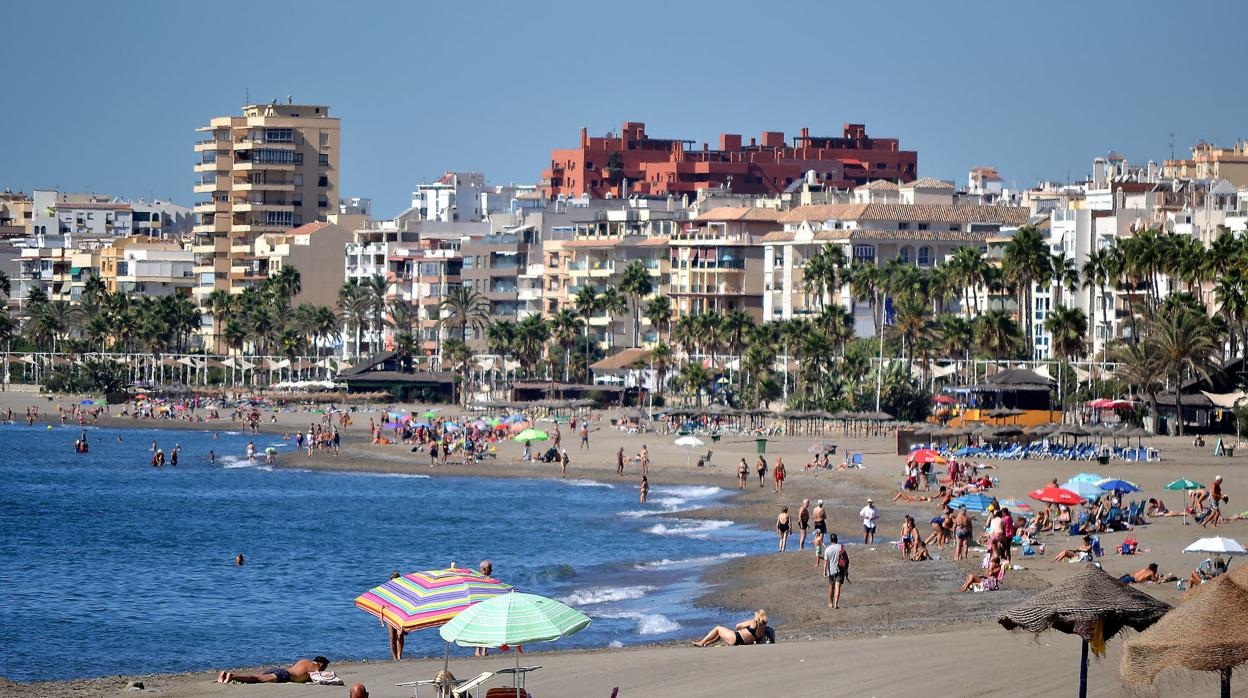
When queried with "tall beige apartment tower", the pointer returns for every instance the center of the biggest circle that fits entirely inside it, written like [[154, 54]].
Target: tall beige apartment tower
[[272, 169]]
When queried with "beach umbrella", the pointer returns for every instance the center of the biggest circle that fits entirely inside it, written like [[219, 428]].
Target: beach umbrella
[[1012, 504], [944, 400], [531, 434], [429, 414], [689, 443], [428, 599], [1217, 545], [972, 502], [1091, 478], [421, 424], [514, 619], [926, 455], [1084, 489], [1056, 495], [1205, 633], [1090, 604], [391, 425], [1119, 485], [1183, 484]]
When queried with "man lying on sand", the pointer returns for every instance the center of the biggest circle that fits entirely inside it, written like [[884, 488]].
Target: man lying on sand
[[295, 673], [1147, 574]]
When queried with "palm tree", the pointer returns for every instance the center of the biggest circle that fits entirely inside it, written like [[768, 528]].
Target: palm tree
[[1139, 368], [464, 307], [957, 337], [1095, 273], [5, 286], [565, 327], [499, 337], [635, 283], [1063, 275], [586, 303], [659, 313], [821, 274], [1182, 344], [376, 288], [456, 352], [836, 322], [531, 335], [287, 283], [354, 307], [1068, 328], [998, 335], [661, 360], [220, 305], [1231, 293], [685, 334], [866, 280], [910, 325], [1026, 261], [692, 379], [612, 302], [971, 268]]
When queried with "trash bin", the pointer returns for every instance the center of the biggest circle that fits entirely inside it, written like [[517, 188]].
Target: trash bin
[[1103, 460], [761, 444]]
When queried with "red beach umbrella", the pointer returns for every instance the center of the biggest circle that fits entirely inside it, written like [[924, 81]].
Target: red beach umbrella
[[1056, 495], [926, 455]]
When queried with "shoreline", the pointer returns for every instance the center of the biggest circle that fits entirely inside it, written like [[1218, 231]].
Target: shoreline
[[886, 597]]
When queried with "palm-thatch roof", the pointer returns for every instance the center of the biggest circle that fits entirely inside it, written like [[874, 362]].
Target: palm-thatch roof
[[1205, 633], [1075, 605]]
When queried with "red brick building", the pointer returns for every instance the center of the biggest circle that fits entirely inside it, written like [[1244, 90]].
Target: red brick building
[[605, 166]]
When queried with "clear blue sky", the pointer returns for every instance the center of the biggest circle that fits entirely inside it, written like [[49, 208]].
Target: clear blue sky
[[105, 96]]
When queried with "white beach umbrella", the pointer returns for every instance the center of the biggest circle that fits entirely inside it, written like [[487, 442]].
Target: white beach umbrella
[[689, 442], [1217, 545]]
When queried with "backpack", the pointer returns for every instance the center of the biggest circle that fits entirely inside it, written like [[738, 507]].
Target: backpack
[[842, 562]]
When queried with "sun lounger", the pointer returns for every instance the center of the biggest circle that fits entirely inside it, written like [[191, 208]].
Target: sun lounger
[[468, 689]]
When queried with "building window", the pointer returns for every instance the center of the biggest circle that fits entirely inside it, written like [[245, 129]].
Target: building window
[[324, 135], [922, 226], [954, 228], [324, 160], [903, 226], [864, 251], [925, 256], [905, 254], [322, 202], [297, 200], [322, 181], [298, 180]]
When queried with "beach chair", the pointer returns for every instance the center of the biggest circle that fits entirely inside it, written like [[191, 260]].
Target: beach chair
[[1097, 550], [468, 689], [856, 461]]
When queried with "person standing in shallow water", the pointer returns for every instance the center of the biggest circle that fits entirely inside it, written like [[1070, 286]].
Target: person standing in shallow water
[[782, 527], [803, 523], [619, 462], [761, 468], [645, 488], [743, 474]]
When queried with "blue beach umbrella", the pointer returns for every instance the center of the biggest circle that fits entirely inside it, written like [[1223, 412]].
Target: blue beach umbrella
[[1083, 488], [1119, 485], [1091, 478], [972, 502]]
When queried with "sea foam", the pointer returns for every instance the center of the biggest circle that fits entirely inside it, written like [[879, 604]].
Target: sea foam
[[584, 597]]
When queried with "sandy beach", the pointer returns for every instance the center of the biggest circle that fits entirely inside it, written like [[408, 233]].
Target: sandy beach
[[902, 625]]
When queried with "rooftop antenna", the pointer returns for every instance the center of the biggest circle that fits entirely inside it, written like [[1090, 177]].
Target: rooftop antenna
[[1172, 145], [246, 95]]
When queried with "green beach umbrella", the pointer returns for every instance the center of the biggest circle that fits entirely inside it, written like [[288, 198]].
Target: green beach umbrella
[[532, 435], [513, 619], [1185, 485]]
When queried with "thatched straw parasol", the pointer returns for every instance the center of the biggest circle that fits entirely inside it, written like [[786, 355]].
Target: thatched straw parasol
[[1090, 604], [1205, 633]]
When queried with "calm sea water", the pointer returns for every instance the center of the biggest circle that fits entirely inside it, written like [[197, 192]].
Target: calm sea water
[[108, 566]]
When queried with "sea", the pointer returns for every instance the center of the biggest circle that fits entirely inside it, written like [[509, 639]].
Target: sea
[[110, 566]]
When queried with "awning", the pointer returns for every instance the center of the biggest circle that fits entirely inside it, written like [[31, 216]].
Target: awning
[[1226, 401]]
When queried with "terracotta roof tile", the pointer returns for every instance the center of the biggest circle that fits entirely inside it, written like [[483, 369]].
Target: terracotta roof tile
[[927, 183], [740, 213], [879, 185], [934, 213]]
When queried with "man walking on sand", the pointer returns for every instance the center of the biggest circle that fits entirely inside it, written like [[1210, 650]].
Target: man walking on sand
[[869, 516], [619, 462], [585, 434], [836, 569], [819, 516]]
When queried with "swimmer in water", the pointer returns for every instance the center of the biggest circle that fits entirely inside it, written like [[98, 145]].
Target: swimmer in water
[[239, 560], [212, 457]]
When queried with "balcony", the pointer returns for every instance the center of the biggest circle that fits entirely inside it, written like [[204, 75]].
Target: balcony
[[246, 185], [533, 271], [529, 294], [207, 185], [252, 143], [252, 166], [245, 206], [212, 144], [211, 167], [222, 206]]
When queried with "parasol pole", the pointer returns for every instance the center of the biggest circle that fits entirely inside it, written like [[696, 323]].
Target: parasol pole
[[1083, 671], [1226, 682], [446, 670]]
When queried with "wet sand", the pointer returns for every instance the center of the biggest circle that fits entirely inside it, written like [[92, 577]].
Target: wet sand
[[916, 605]]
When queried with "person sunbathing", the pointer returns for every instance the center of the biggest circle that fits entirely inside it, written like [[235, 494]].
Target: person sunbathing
[[990, 581], [1083, 552], [747, 632], [1147, 574], [295, 673], [1156, 507], [920, 552]]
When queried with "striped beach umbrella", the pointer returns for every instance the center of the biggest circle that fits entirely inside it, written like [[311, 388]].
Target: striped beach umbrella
[[513, 619], [428, 599]]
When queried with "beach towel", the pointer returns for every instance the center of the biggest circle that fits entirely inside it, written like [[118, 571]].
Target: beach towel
[[325, 678]]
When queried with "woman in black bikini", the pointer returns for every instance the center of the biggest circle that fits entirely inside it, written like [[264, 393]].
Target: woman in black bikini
[[749, 632], [782, 527]]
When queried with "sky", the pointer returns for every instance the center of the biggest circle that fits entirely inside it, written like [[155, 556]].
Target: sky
[[105, 97]]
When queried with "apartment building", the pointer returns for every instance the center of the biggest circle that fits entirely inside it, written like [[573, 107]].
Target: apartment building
[[716, 261], [272, 169], [456, 196], [58, 270], [16, 214], [315, 249], [506, 268], [924, 234], [420, 275], [632, 162], [1209, 161], [148, 267]]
